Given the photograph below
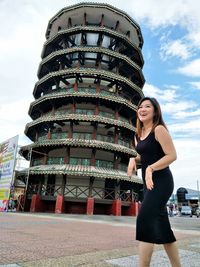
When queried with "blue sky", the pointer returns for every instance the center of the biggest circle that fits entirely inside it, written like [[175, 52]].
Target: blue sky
[[171, 32]]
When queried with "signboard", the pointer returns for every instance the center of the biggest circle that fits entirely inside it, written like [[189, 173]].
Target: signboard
[[191, 196], [8, 150]]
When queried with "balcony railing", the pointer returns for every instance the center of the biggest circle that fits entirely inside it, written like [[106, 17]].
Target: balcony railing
[[85, 136], [105, 138], [63, 111], [77, 191], [124, 143], [61, 135], [55, 160], [78, 161]]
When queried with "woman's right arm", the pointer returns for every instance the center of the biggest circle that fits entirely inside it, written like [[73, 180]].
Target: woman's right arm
[[132, 163], [132, 166]]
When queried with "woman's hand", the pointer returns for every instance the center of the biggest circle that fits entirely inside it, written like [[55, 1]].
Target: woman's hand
[[148, 178], [131, 166]]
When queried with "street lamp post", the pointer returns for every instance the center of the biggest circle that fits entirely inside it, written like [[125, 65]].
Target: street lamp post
[[198, 191], [27, 178]]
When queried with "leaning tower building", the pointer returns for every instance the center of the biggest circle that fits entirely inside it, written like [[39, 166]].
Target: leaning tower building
[[84, 113]]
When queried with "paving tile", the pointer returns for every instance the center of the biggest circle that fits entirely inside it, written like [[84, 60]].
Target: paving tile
[[45, 240], [159, 258]]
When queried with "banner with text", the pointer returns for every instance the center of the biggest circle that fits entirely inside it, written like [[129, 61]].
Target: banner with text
[[8, 151]]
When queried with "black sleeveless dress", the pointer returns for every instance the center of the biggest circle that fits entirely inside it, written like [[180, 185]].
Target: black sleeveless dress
[[152, 224]]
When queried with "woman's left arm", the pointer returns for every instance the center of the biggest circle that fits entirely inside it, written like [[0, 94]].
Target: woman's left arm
[[165, 140]]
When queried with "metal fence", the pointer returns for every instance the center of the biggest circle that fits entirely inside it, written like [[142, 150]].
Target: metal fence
[[77, 191]]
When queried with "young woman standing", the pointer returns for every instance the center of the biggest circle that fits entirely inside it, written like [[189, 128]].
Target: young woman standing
[[156, 152]]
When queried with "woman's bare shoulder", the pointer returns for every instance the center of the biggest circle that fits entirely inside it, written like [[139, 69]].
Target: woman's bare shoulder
[[160, 130]]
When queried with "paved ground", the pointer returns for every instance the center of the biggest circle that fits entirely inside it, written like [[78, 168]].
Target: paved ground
[[77, 240]]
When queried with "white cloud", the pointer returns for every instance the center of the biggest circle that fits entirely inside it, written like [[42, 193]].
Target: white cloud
[[172, 86], [191, 69], [193, 37], [177, 106], [151, 90], [13, 117], [18, 108], [162, 95], [20, 47], [185, 169], [177, 109], [195, 85], [159, 13], [168, 95], [189, 128], [187, 114], [174, 48]]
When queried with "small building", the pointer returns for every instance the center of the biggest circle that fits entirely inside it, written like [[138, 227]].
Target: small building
[[187, 197]]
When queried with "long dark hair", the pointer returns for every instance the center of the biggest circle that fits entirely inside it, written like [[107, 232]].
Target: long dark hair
[[157, 118]]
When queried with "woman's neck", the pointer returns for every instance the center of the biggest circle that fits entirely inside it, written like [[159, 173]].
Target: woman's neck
[[147, 126]]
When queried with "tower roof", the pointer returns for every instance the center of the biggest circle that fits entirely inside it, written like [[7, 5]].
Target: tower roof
[[109, 12]]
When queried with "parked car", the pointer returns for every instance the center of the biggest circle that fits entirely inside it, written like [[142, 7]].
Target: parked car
[[195, 211], [186, 210]]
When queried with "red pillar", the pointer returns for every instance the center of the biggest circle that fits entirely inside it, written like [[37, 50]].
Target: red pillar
[[133, 209], [90, 206], [75, 87], [59, 204], [36, 204], [116, 207]]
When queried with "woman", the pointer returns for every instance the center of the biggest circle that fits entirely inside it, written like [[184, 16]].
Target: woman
[[155, 151]]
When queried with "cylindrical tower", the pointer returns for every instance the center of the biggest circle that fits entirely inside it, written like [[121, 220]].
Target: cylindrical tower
[[84, 113]]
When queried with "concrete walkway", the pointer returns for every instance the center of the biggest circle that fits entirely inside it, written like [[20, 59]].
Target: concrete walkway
[[78, 240]]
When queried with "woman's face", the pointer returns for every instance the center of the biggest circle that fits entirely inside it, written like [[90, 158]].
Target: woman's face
[[145, 111]]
